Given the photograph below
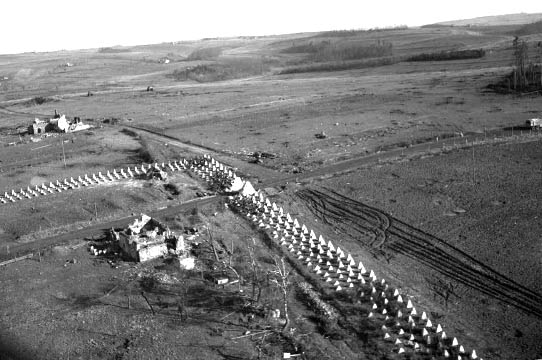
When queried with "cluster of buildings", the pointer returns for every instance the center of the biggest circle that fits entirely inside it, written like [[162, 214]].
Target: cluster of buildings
[[59, 123]]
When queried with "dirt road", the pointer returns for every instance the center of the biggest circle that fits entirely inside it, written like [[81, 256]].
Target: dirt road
[[101, 227]]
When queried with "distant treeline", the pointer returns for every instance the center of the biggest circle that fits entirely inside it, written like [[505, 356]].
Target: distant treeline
[[224, 70], [340, 65], [533, 28], [449, 55], [209, 53], [347, 33], [112, 50], [330, 51]]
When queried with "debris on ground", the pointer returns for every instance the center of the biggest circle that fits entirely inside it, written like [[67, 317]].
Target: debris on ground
[[147, 239], [156, 173], [321, 135], [263, 154]]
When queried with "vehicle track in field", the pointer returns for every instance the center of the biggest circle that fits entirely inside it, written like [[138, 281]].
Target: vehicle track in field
[[355, 218]]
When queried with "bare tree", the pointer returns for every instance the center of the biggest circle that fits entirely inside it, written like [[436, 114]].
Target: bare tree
[[258, 279], [520, 58], [226, 264], [280, 277], [539, 46]]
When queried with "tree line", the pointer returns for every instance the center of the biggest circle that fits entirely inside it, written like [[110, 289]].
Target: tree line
[[526, 75]]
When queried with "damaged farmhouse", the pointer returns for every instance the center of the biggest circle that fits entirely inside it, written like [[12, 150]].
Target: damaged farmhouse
[[59, 123], [146, 239]]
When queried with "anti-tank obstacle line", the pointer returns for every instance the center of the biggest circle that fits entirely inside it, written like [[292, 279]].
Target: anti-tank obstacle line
[[346, 213]]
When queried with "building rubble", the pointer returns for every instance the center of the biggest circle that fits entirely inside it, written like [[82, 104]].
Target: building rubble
[[146, 239], [58, 123]]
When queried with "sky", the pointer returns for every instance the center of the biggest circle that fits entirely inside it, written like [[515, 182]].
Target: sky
[[50, 25]]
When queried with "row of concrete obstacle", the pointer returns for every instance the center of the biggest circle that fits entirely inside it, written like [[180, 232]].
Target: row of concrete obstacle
[[94, 179], [401, 323]]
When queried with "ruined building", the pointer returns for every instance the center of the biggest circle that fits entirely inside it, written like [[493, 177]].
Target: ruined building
[[146, 239]]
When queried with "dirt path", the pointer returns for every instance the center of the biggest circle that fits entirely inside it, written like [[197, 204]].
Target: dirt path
[[358, 219]]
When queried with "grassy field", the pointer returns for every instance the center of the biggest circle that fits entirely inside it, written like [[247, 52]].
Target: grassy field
[[307, 101]]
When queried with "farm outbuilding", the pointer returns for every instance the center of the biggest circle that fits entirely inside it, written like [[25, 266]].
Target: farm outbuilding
[[39, 127]]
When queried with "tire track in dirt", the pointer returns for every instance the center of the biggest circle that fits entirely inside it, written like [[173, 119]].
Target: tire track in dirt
[[355, 218]]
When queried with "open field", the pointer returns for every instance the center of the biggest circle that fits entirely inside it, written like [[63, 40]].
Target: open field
[[454, 226], [479, 224]]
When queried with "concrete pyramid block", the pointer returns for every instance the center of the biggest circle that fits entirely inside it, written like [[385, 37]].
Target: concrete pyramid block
[[351, 262], [474, 355], [429, 324], [424, 316], [455, 342], [409, 304], [289, 218]]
